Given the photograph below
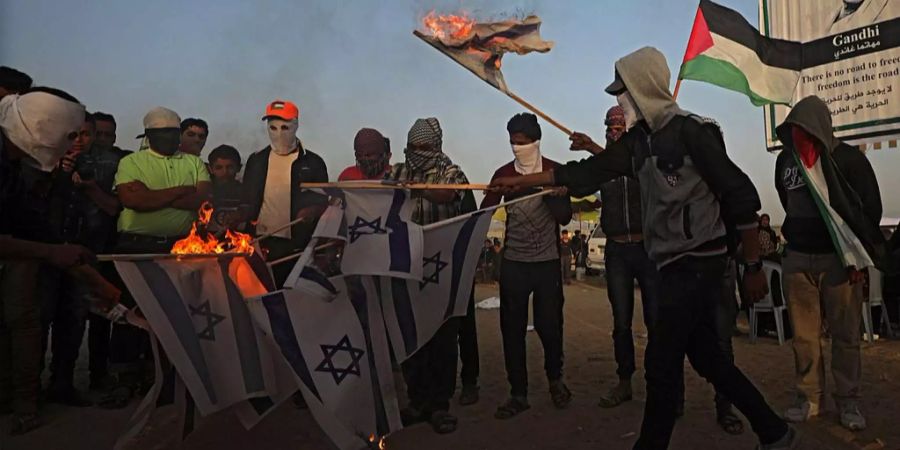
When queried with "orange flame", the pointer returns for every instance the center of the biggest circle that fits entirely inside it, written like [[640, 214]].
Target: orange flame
[[443, 26], [381, 443], [199, 241]]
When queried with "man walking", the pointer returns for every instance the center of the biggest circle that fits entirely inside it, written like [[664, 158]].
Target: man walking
[[689, 189]]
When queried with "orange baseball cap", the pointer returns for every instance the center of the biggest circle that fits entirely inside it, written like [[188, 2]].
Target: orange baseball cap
[[281, 109]]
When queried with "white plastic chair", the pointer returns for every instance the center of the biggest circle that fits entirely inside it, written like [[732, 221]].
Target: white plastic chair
[[767, 304], [875, 299]]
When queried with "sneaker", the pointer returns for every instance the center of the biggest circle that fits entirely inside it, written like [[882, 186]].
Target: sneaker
[[851, 418], [789, 441], [801, 412]]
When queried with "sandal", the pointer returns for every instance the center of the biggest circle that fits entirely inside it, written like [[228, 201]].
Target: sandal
[[117, 397], [731, 423], [442, 422], [615, 397], [23, 423], [560, 394], [511, 408], [468, 396]]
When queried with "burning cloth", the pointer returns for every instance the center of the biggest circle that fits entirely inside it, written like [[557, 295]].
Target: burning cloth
[[479, 47]]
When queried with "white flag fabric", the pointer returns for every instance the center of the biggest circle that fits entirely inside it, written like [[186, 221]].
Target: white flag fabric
[[415, 309], [196, 308], [338, 350], [380, 237]]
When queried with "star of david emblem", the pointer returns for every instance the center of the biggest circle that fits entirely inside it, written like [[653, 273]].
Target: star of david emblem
[[212, 319], [328, 364], [435, 276], [362, 227]]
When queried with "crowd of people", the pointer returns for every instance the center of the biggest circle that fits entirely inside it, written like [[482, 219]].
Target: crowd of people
[[677, 212]]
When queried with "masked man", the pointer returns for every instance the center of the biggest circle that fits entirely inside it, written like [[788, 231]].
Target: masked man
[[373, 157], [818, 282], [430, 373], [272, 187], [36, 128], [689, 190], [531, 267]]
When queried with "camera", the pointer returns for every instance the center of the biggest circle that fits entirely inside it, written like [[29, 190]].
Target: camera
[[84, 166]]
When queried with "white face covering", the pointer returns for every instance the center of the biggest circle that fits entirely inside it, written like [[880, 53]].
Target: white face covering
[[43, 125], [632, 113], [284, 141], [528, 158]]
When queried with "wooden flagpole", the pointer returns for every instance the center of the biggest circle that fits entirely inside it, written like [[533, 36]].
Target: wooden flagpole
[[157, 256], [394, 185]]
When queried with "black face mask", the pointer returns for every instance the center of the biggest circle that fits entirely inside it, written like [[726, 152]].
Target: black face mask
[[164, 141], [372, 167]]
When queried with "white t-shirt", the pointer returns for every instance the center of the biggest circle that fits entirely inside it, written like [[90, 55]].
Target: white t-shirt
[[276, 204]]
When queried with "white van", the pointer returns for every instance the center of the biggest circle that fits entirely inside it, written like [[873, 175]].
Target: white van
[[596, 250]]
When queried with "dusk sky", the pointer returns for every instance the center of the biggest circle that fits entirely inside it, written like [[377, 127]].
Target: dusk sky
[[353, 64]]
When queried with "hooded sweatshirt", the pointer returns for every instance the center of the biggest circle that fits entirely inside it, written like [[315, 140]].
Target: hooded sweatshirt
[[852, 186], [690, 189]]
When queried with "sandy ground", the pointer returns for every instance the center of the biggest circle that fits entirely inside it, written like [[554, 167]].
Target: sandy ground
[[590, 369]]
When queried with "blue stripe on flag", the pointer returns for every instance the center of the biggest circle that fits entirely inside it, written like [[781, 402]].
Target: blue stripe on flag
[[167, 391], [173, 306], [398, 238], [261, 270], [359, 300], [460, 250], [284, 335], [244, 335], [189, 415], [317, 277], [404, 312]]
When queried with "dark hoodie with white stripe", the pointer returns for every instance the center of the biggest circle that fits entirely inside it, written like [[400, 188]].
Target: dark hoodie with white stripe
[[852, 186], [690, 189]]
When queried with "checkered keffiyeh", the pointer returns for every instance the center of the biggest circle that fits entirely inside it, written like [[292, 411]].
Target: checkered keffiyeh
[[426, 132]]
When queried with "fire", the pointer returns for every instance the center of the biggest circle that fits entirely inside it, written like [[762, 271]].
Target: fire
[[449, 26], [199, 241], [381, 443]]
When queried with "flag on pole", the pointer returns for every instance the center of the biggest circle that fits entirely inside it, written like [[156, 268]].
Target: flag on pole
[[479, 47], [338, 350], [415, 309], [725, 50], [196, 308]]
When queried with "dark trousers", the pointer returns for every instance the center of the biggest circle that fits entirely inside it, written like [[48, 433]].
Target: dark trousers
[[687, 326], [64, 310], [130, 345], [625, 263], [430, 373], [518, 280], [99, 329], [468, 345], [20, 336]]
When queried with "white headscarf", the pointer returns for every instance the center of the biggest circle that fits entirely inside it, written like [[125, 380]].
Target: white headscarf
[[43, 125], [528, 158], [284, 142]]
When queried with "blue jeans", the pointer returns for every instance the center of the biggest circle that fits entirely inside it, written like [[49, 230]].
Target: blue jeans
[[625, 263]]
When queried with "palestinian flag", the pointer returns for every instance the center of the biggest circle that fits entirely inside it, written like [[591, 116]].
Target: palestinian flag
[[725, 50]]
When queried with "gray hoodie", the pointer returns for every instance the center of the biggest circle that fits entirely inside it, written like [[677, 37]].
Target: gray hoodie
[[691, 193]]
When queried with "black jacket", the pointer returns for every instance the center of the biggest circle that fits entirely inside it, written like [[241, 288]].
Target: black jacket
[[308, 167], [621, 212], [853, 191]]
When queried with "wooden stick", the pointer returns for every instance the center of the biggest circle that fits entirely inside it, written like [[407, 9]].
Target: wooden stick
[[540, 113], [299, 254], [156, 256], [273, 232], [677, 87], [411, 186]]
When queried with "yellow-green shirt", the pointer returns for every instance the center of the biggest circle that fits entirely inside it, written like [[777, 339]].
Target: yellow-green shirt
[[159, 172]]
